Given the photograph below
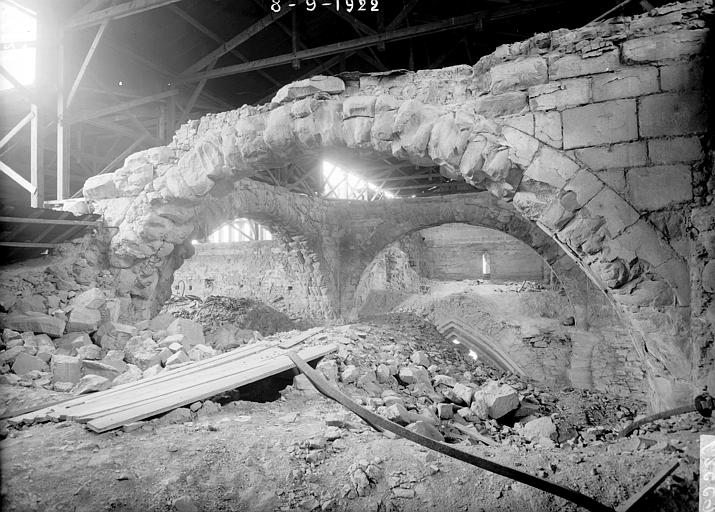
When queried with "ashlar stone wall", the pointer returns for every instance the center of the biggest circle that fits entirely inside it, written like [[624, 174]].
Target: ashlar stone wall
[[593, 135]]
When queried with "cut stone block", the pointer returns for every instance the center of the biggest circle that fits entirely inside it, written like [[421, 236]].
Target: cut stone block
[[501, 399], [98, 368], [84, 319], [35, 322], [93, 298], [92, 352], [91, 384], [193, 332], [66, 369], [132, 374], [25, 363], [602, 123]]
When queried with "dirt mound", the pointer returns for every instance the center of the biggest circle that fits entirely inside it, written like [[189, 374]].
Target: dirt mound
[[216, 311]]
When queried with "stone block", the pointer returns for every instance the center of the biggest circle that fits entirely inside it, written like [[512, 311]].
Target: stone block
[[8, 356], [426, 429], [675, 150], [65, 368], [359, 106], [445, 411], [201, 352], [25, 363], [625, 83], [132, 374], [91, 384], [193, 332], [617, 213], [93, 298], [570, 66], [398, 414], [551, 166], [99, 368], [498, 105], [672, 114], [518, 74], [682, 76], [420, 358], [350, 374], [308, 87], [329, 369], [601, 123], [100, 186], [414, 374], [668, 46], [460, 394], [523, 123], [152, 371], [501, 399], [83, 319], [178, 358], [445, 380], [35, 322], [540, 428], [653, 188], [522, 147], [548, 128], [626, 155], [92, 352], [560, 95]]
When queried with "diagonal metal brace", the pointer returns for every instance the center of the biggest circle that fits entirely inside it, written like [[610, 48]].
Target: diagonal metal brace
[[378, 422]]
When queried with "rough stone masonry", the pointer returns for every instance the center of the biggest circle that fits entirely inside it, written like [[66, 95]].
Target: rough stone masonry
[[598, 136]]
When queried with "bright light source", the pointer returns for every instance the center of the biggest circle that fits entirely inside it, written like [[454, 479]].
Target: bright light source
[[473, 355], [342, 184], [194, 242], [18, 39], [456, 341], [120, 83]]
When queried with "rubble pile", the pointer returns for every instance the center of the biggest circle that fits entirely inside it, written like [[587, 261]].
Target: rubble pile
[[401, 368], [81, 348], [218, 311]]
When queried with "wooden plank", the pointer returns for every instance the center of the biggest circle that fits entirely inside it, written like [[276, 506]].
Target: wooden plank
[[28, 244], [243, 36], [633, 502], [205, 390], [17, 178], [28, 220], [61, 409], [140, 394], [114, 13], [291, 342], [85, 62], [16, 129], [63, 135], [122, 106]]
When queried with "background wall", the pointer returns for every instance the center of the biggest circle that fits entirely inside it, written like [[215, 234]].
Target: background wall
[[267, 271], [454, 251]]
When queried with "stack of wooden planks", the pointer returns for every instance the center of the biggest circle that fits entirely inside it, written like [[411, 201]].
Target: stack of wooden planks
[[107, 410]]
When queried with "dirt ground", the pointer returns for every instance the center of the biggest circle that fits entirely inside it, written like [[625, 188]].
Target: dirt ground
[[305, 452]]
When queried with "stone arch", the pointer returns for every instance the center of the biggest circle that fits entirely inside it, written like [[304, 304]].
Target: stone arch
[[512, 124], [388, 222], [483, 346]]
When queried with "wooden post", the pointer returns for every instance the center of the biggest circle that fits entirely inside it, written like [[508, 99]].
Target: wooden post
[[161, 132], [37, 173], [63, 172]]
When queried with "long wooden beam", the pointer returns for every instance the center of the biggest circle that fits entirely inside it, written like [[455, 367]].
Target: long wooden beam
[[122, 106], [341, 47], [38, 245], [27, 220], [17, 178], [16, 129], [237, 40], [115, 13], [212, 35], [85, 62]]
